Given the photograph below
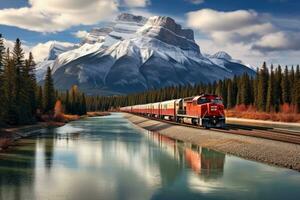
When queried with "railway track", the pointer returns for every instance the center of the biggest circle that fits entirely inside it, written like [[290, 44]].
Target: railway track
[[248, 130]]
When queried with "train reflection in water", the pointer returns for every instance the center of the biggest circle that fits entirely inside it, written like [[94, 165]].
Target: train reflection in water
[[207, 163]]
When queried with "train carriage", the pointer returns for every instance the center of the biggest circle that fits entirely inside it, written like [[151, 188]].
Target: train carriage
[[168, 109], [204, 110]]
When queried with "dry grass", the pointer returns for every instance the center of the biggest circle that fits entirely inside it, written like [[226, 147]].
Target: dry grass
[[287, 113]]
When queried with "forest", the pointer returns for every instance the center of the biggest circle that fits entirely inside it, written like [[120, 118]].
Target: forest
[[22, 100]]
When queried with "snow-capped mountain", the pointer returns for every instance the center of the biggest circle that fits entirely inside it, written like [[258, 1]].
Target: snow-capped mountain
[[134, 53], [48, 52]]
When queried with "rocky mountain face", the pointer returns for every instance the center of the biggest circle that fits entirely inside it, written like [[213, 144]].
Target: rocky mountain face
[[134, 54]]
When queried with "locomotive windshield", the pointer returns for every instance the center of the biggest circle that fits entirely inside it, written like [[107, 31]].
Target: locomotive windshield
[[203, 100], [216, 100]]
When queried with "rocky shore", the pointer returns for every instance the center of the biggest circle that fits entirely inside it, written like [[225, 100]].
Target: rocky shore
[[267, 151]]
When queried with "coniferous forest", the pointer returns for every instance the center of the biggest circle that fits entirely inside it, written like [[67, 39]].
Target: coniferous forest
[[268, 91], [22, 101]]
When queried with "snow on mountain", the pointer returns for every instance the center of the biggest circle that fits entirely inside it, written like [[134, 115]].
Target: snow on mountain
[[134, 53], [46, 54]]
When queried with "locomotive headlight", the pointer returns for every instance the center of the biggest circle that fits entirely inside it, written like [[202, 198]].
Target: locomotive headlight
[[213, 108]]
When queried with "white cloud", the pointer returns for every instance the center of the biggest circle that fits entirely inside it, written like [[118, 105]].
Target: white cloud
[[243, 27], [57, 15], [212, 20], [137, 3], [278, 41], [81, 34], [245, 53]]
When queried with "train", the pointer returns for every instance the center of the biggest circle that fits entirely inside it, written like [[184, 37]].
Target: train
[[206, 110]]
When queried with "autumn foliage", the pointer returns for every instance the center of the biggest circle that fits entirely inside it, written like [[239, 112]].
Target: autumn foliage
[[287, 113]]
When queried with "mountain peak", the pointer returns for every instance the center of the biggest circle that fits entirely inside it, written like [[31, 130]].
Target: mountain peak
[[127, 17], [170, 24], [222, 55]]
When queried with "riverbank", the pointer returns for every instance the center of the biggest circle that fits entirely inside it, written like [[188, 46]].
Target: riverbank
[[262, 150], [8, 136]]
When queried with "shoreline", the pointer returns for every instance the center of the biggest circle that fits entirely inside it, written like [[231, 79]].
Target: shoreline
[[266, 151], [10, 135]]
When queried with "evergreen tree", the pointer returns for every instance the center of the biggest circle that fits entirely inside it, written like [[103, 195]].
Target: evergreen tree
[[30, 83], [24, 110], [245, 93], [270, 93], [2, 51], [277, 88], [39, 99], [285, 86], [9, 90], [230, 96], [49, 93], [262, 88], [83, 105]]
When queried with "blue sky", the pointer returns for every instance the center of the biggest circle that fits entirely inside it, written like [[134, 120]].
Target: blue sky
[[250, 30]]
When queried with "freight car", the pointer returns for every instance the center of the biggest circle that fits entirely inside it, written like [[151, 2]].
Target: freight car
[[204, 110]]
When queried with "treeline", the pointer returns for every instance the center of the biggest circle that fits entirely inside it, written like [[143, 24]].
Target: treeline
[[266, 91], [22, 101], [74, 101]]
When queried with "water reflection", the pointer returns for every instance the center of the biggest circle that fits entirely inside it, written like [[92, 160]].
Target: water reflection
[[107, 158], [204, 162]]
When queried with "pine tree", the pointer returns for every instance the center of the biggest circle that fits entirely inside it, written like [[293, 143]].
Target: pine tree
[[24, 110], [270, 93], [2, 51], [244, 90], [49, 93], [262, 88], [255, 88], [39, 99], [30, 82], [9, 90], [285, 86], [230, 96], [277, 88], [83, 105]]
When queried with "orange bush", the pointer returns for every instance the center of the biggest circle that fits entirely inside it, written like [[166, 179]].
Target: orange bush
[[287, 113]]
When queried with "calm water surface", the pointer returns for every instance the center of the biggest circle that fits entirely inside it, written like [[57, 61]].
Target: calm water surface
[[108, 158]]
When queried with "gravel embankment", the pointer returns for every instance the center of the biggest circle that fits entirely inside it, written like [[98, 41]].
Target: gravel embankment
[[262, 150]]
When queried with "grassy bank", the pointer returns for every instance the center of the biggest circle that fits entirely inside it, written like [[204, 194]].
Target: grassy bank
[[287, 114]]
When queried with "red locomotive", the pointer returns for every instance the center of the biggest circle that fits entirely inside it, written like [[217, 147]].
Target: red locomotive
[[205, 110]]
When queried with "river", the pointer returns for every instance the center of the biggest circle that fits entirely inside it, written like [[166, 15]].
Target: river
[[109, 158]]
